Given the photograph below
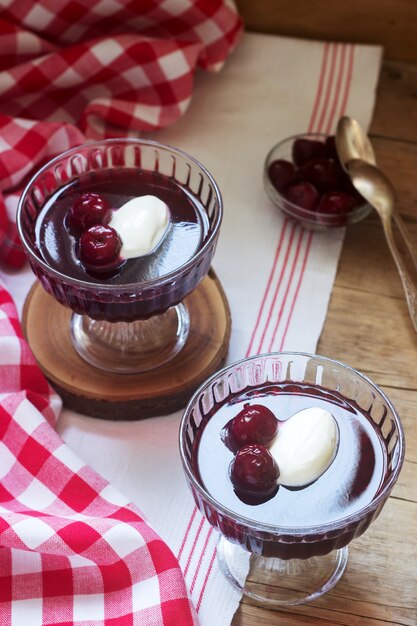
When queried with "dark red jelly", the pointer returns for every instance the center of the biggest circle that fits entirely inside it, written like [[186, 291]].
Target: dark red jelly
[[351, 482], [59, 245], [132, 289]]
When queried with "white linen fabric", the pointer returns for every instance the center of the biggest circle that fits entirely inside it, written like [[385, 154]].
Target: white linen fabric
[[277, 276]]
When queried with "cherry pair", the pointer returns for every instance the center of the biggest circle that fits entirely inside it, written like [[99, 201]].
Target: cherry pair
[[253, 470], [99, 244]]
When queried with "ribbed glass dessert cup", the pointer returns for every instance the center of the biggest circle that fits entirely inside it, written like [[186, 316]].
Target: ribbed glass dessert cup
[[136, 321], [296, 553]]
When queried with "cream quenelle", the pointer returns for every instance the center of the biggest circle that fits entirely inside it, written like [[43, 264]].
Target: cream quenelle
[[305, 446], [141, 224]]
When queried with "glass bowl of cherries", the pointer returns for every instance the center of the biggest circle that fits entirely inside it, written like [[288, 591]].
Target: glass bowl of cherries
[[303, 176], [290, 456]]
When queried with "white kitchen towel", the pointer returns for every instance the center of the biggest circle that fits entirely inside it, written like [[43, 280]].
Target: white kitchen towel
[[277, 276]]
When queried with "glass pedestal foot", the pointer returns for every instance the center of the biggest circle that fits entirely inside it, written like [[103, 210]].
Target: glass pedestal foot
[[131, 347], [273, 581]]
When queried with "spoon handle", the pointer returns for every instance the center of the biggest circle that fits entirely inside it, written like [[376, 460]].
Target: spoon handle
[[406, 237], [409, 287]]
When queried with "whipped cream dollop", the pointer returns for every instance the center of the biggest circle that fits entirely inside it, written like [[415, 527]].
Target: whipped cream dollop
[[142, 224], [305, 446]]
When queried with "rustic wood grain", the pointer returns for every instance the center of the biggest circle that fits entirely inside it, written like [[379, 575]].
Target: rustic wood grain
[[367, 326], [396, 111], [391, 23], [94, 392], [378, 586]]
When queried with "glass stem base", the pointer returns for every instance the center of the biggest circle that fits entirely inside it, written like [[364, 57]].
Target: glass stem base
[[273, 581], [131, 347]]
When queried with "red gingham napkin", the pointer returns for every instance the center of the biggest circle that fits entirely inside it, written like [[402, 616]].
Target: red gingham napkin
[[112, 67], [72, 549]]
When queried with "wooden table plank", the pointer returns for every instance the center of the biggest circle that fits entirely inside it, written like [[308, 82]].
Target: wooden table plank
[[390, 23], [372, 333], [396, 111], [368, 327], [376, 587]]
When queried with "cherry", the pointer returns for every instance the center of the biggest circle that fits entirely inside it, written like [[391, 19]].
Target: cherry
[[323, 173], [336, 202], [304, 195], [88, 210], [254, 470], [253, 424], [303, 150], [281, 173], [100, 247], [347, 187], [331, 150]]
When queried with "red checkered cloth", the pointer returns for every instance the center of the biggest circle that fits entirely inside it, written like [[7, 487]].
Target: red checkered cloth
[[110, 67], [72, 549]]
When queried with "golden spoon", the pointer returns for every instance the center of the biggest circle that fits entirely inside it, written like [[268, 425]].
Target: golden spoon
[[353, 143], [374, 186]]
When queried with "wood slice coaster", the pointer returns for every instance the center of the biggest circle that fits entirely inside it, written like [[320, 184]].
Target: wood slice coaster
[[90, 391]]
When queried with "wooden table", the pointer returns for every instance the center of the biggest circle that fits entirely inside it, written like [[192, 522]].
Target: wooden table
[[368, 327]]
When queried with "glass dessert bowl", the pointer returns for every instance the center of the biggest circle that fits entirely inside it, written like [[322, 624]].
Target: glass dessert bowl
[[288, 545], [303, 177], [128, 315]]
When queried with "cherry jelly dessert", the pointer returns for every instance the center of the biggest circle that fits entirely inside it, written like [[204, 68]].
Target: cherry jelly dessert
[[338, 450], [164, 206], [351, 481], [74, 237]]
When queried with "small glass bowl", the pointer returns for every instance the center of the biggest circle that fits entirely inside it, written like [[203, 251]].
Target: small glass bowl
[[287, 565], [311, 220]]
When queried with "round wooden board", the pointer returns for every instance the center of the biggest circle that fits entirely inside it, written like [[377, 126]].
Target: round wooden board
[[93, 392]]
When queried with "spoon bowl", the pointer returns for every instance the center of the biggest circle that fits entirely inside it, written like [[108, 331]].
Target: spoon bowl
[[373, 185], [352, 142]]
